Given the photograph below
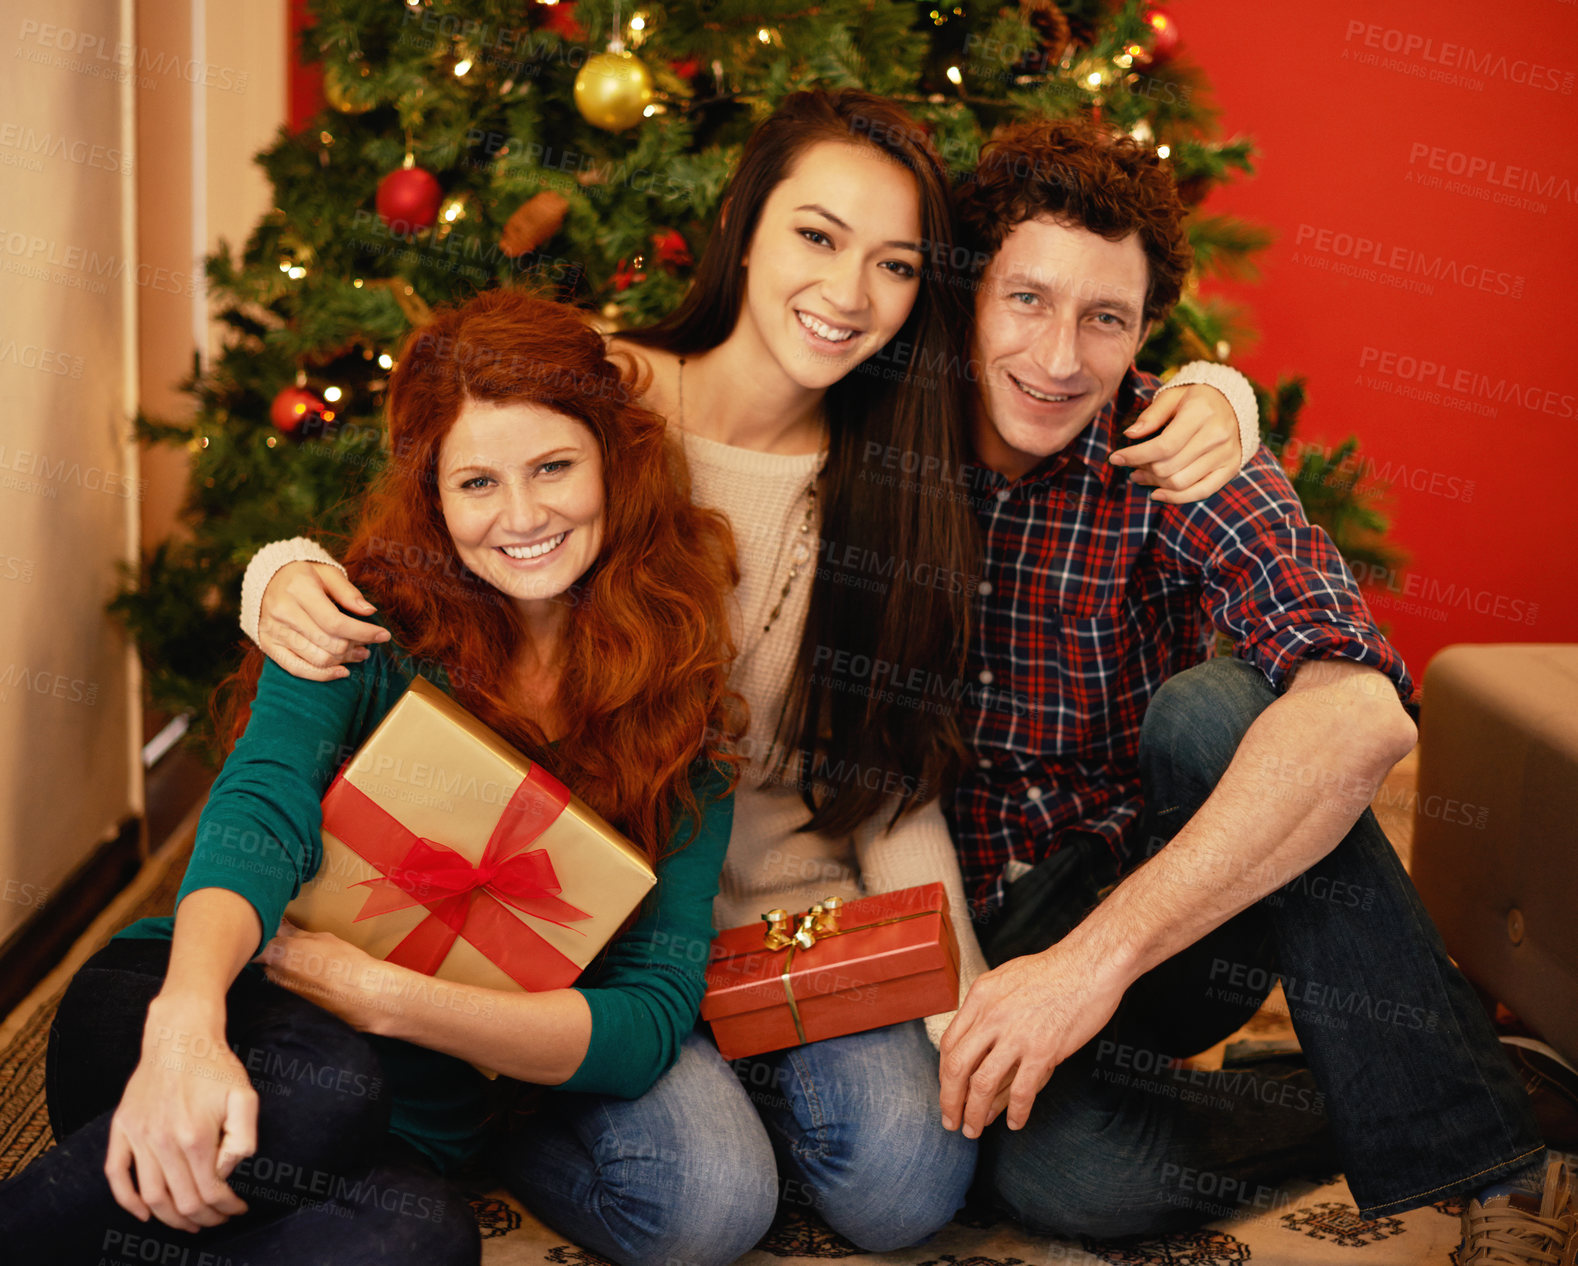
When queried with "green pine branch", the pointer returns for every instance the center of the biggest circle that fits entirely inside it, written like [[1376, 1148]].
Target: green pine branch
[[318, 289]]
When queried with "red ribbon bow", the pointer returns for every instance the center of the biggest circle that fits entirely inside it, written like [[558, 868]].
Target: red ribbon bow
[[465, 899]]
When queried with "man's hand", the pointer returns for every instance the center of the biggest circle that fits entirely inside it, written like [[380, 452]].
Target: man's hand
[[301, 628], [1198, 451], [1339, 727], [187, 1117], [1018, 1023]]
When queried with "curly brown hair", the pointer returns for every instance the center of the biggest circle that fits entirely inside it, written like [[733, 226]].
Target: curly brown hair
[[648, 647], [1072, 171]]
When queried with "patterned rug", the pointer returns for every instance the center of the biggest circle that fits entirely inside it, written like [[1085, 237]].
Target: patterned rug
[[1318, 1225], [24, 1120], [1315, 1223]]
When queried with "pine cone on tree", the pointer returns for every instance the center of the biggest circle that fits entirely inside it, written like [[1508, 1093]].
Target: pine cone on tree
[[534, 222], [1051, 25]]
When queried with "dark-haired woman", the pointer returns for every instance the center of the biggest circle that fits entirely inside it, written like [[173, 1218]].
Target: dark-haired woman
[[815, 373], [545, 534]]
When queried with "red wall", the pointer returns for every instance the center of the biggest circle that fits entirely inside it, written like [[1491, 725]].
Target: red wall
[[1396, 141], [306, 82]]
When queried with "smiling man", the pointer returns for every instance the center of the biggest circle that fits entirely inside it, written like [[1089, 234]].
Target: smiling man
[[1153, 837]]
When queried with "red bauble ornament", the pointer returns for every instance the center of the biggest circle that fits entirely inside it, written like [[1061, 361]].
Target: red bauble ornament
[[1164, 36], [687, 68], [295, 406], [408, 200]]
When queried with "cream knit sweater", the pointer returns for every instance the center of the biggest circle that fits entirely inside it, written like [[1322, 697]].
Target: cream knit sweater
[[768, 864]]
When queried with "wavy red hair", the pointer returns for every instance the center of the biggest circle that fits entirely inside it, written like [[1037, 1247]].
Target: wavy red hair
[[644, 681]]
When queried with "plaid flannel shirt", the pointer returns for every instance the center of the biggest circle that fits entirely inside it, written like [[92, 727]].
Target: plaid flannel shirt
[[1092, 596]]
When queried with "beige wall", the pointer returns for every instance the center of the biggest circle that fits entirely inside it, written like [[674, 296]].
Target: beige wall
[[68, 472], [200, 137], [107, 205], [164, 238]]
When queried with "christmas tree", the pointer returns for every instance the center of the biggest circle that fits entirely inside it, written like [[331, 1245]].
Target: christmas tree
[[585, 146]]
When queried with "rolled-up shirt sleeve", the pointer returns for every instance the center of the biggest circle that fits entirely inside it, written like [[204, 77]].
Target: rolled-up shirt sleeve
[[1273, 583]]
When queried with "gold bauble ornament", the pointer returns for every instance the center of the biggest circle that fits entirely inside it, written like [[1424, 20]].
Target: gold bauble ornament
[[613, 91], [334, 84]]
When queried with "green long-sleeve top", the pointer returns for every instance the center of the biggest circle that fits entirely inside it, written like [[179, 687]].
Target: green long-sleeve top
[[259, 836]]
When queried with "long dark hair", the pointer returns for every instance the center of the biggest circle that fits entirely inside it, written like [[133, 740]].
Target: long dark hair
[[870, 706]]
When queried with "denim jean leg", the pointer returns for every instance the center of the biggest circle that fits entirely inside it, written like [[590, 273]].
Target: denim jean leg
[[318, 1184], [858, 1128], [1125, 1140], [1122, 1143], [1422, 1102], [397, 1212], [683, 1174]]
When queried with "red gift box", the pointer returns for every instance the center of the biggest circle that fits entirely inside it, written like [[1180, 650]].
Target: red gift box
[[891, 958]]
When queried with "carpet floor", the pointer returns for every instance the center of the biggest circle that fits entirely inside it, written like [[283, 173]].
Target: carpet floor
[[1307, 1222]]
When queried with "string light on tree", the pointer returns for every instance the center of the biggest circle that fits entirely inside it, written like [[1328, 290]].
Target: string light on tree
[[294, 407], [629, 272], [1164, 36], [295, 256], [454, 209]]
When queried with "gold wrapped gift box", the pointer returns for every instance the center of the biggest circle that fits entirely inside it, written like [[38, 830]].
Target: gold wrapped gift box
[[447, 850]]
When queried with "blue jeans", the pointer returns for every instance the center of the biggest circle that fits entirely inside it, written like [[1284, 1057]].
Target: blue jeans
[[327, 1185], [694, 1170], [1407, 1090]]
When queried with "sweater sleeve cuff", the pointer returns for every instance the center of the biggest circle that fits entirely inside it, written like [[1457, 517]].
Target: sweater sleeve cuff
[[261, 569], [971, 964], [1236, 388]]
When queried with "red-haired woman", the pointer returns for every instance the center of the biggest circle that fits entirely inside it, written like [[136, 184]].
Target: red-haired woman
[[534, 550], [820, 349]]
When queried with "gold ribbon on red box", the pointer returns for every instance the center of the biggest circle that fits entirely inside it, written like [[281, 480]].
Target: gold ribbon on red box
[[821, 920], [465, 899]]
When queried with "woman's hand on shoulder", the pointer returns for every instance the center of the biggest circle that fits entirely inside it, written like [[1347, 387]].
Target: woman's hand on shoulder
[[302, 628], [1198, 448], [187, 1117]]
